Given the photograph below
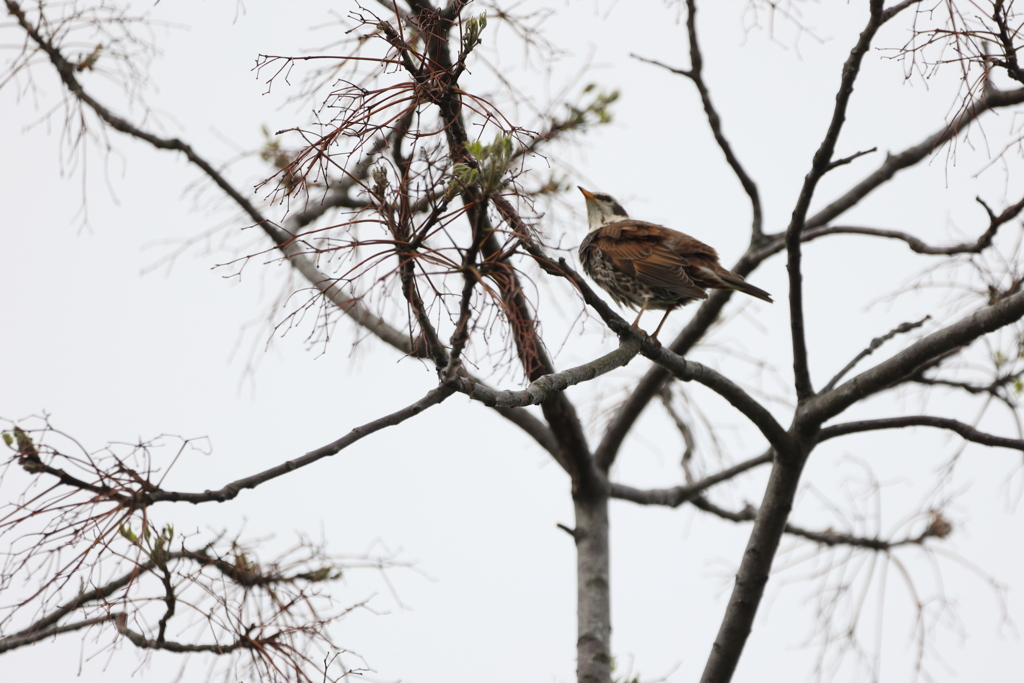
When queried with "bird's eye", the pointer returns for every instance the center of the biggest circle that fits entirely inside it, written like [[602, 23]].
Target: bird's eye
[[604, 197]]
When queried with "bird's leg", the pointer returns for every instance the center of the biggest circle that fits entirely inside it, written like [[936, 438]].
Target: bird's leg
[[655, 335], [636, 323]]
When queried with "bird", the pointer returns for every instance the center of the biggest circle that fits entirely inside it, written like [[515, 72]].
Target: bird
[[648, 266]]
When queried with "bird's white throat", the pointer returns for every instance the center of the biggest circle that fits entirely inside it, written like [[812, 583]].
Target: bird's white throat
[[600, 214]]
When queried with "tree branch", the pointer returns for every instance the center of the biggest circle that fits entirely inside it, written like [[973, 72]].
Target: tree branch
[[907, 362], [913, 155], [541, 389], [1000, 15], [819, 166], [829, 538], [963, 429], [433, 397], [992, 388], [46, 626], [15, 641], [143, 643], [917, 245], [677, 495], [709, 311], [686, 371], [655, 378], [872, 347], [785, 476], [283, 238], [769, 525], [845, 160], [695, 74], [284, 241], [670, 361]]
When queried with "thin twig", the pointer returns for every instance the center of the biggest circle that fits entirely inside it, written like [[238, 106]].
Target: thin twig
[[872, 347], [695, 74], [845, 160], [829, 538], [432, 398]]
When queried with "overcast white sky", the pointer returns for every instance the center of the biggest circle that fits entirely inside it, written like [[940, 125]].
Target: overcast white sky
[[114, 350]]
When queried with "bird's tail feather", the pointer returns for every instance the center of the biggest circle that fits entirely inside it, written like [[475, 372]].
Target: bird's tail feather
[[734, 281]]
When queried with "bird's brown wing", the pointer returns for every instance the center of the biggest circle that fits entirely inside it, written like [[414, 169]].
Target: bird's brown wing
[[656, 255]]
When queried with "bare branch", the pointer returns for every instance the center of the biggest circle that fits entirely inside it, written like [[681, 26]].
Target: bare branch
[[289, 247], [845, 160], [709, 311], [917, 245], [907, 362], [143, 643], [541, 388], [829, 538], [28, 637], [872, 347], [687, 370], [675, 364], [897, 8], [433, 397], [913, 155], [285, 243], [677, 495], [695, 74], [785, 476], [991, 388], [965, 430], [46, 626], [100, 593], [1001, 16], [655, 378], [769, 525], [819, 166]]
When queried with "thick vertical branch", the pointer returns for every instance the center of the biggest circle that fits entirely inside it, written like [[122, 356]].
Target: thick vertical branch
[[819, 165], [754, 570], [593, 589], [589, 486], [782, 485], [558, 410]]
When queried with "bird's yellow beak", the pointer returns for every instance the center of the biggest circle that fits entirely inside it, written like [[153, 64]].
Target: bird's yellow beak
[[586, 193]]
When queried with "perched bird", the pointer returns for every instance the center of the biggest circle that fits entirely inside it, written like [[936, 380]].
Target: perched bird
[[650, 266]]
